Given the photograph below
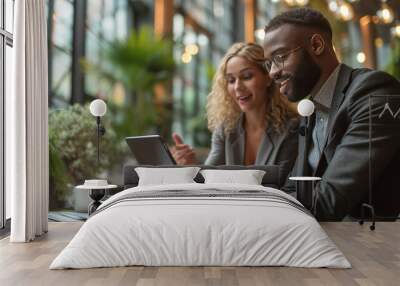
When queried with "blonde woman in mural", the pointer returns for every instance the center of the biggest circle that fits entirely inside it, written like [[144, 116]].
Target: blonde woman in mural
[[251, 122]]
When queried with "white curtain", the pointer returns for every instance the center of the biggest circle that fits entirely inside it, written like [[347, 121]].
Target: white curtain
[[27, 151]]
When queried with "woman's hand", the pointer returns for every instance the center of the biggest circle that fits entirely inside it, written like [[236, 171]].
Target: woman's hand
[[182, 153]]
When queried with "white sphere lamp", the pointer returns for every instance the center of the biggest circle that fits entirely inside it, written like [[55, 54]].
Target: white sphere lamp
[[305, 107], [98, 107]]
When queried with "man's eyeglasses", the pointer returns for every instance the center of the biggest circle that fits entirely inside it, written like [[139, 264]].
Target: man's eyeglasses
[[279, 60]]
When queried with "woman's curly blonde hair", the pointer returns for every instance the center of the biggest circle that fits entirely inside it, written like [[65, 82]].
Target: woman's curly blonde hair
[[223, 111]]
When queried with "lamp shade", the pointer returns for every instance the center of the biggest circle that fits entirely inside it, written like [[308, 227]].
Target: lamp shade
[[305, 107], [98, 107]]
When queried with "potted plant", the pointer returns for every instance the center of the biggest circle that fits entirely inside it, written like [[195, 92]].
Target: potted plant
[[73, 151]]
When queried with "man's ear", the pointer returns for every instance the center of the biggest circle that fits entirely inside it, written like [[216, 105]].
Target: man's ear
[[317, 44]]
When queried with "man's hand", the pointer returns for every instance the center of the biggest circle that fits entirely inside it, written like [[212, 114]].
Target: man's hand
[[182, 153]]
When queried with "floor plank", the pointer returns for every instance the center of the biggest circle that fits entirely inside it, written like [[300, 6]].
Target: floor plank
[[375, 257]]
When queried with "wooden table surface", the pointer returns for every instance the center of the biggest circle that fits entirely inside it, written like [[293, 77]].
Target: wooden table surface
[[374, 255]]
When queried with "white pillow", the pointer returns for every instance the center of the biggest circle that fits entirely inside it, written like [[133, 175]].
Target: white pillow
[[248, 177], [163, 176]]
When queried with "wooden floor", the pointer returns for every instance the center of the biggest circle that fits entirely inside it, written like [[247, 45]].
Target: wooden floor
[[375, 256]]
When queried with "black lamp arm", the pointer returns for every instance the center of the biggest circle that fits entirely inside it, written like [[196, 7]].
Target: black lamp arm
[[100, 132], [100, 129]]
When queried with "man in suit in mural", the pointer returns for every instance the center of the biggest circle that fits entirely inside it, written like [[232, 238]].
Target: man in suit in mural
[[301, 59]]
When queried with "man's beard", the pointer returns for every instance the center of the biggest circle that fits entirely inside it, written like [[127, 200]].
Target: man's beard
[[304, 78]]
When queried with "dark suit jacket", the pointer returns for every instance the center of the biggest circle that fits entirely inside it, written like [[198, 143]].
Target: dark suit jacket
[[275, 148], [348, 153]]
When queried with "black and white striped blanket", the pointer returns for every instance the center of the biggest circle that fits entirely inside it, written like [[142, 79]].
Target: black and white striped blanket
[[205, 194]]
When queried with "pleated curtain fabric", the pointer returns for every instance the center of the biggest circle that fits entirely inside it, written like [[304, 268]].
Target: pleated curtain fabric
[[27, 151]]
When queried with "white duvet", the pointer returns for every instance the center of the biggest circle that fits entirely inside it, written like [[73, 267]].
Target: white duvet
[[200, 231]]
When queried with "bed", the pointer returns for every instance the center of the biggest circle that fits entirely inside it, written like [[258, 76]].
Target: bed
[[201, 224]]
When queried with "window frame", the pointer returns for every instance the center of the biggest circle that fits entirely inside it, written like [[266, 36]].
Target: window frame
[[6, 39]]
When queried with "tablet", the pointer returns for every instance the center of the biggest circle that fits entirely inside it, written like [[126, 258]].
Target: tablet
[[150, 150]]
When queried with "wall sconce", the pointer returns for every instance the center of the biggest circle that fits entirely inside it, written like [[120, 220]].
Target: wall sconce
[[345, 11], [361, 57], [296, 2], [385, 14], [396, 30], [342, 10]]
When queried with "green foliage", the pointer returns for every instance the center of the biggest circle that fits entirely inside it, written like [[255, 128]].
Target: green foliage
[[73, 151], [210, 71], [136, 119], [139, 62], [394, 63], [59, 177], [198, 127], [142, 60]]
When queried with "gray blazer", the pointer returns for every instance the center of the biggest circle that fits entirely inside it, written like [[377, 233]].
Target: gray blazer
[[275, 149]]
